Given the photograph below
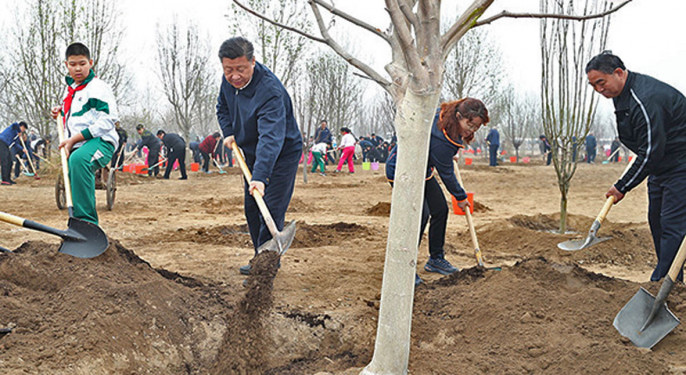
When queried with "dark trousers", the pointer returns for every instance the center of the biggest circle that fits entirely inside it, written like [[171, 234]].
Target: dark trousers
[[205, 161], [173, 156], [5, 161], [493, 155], [666, 213], [277, 196], [153, 158], [434, 211], [117, 160], [590, 152]]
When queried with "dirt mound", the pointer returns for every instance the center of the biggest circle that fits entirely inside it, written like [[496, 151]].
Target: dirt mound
[[379, 209], [522, 236], [86, 315], [480, 207], [233, 235], [298, 205], [534, 317], [221, 206], [336, 234]]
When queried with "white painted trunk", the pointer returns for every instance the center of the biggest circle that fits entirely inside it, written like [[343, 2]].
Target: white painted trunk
[[413, 123]]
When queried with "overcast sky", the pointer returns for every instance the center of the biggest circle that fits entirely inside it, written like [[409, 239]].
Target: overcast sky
[[646, 34]]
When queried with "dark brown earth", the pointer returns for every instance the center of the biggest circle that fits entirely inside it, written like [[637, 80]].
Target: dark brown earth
[[167, 298]]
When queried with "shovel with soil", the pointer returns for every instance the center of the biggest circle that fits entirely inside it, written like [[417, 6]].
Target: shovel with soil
[[281, 240], [645, 320], [591, 239]]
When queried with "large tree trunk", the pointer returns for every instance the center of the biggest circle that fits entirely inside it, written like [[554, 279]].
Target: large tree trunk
[[392, 347]]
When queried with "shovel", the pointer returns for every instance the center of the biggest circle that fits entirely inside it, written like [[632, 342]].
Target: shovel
[[23, 167], [281, 240], [5, 250], [591, 239], [28, 157], [82, 239], [645, 320], [470, 223]]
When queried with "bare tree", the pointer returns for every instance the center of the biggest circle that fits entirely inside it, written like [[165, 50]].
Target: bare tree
[[568, 106], [377, 115], [183, 59], [97, 24], [418, 50], [474, 68], [281, 51], [519, 116]]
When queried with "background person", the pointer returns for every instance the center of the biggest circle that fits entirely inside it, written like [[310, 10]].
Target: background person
[[176, 150], [7, 138], [153, 144]]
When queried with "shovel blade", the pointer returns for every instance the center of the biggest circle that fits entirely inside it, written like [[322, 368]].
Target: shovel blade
[[578, 244], [634, 314], [281, 242], [83, 239]]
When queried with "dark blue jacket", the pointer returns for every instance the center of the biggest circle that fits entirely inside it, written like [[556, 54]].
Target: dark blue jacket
[[173, 142], [322, 136], [493, 137], [651, 122], [441, 152], [591, 143], [10, 133], [260, 117], [148, 139]]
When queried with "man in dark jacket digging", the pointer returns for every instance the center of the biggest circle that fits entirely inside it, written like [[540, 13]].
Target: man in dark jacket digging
[[176, 150], [154, 145], [255, 111], [651, 122]]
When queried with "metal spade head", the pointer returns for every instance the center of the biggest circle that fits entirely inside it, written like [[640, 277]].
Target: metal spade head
[[578, 244], [281, 242], [590, 240], [83, 239], [632, 317]]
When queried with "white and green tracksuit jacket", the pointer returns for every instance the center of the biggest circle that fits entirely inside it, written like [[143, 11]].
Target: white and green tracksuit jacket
[[93, 111]]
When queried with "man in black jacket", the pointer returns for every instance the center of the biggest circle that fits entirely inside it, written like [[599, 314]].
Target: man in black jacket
[[153, 144], [176, 150], [651, 122], [117, 159]]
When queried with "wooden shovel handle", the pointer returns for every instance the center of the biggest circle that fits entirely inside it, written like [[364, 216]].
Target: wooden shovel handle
[[470, 222], [65, 165], [606, 208], [256, 194], [678, 261], [11, 219]]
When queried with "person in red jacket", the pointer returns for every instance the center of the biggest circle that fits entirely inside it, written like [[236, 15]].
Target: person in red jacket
[[207, 147]]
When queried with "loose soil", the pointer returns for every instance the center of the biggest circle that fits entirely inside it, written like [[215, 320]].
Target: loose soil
[[167, 298]]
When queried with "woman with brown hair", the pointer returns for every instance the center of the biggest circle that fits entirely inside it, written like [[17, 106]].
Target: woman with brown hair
[[454, 125]]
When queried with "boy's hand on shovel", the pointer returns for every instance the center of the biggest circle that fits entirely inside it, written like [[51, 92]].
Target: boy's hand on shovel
[[463, 205], [228, 141]]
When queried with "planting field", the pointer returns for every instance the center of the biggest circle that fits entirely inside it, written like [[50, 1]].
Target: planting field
[[167, 297]]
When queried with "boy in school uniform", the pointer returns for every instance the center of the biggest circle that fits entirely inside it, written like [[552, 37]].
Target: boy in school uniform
[[89, 113]]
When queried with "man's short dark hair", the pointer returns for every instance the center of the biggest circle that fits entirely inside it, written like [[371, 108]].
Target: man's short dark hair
[[216, 135], [140, 126], [78, 49], [160, 132], [236, 47], [605, 62], [22, 123]]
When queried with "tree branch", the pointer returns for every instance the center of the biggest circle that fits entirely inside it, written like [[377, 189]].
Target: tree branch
[[551, 15], [289, 28], [406, 8], [405, 39], [355, 21], [328, 40], [466, 21]]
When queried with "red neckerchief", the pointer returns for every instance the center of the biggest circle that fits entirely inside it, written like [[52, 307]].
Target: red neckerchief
[[66, 106]]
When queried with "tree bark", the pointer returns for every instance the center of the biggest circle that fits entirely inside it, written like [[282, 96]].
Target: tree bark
[[392, 346]]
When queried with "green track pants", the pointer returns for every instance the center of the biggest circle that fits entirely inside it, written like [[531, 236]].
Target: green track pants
[[83, 162]]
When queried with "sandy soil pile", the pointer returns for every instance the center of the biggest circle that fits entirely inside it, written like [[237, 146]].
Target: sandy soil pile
[[167, 298]]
